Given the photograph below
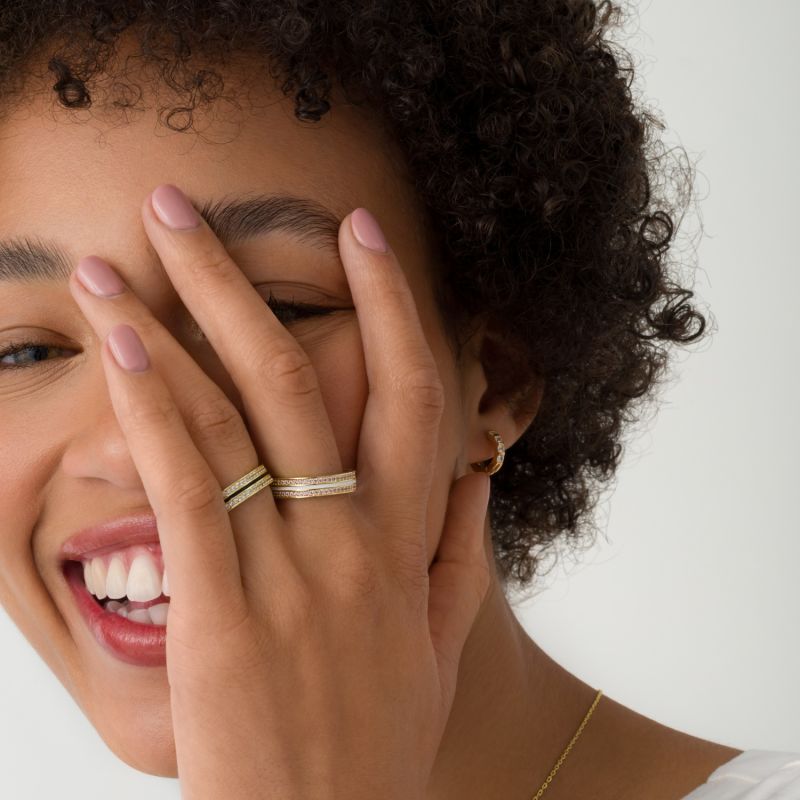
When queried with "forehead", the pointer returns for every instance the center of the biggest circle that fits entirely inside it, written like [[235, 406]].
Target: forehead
[[67, 173]]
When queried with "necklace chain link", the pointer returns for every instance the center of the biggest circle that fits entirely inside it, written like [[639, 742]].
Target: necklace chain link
[[561, 758]]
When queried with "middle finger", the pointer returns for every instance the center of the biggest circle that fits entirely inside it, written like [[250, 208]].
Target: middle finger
[[276, 379]]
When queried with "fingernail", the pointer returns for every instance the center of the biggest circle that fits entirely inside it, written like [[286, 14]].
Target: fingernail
[[98, 277], [367, 231], [128, 349], [173, 208]]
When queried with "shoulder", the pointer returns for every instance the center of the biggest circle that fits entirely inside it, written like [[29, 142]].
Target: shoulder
[[753, 775], [667, 763], [627, 755], [674, 765], [633, 756]]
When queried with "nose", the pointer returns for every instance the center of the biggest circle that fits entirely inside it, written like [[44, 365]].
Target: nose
[[99, 449]]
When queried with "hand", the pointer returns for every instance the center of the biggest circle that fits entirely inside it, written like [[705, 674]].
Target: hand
[[310, 653]]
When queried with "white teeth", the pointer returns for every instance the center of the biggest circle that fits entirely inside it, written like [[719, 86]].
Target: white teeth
[[87, 575], [144, 580], [140, 615], [117, 578], [136, 572], [154, 615], [158, 613], [99, 578]]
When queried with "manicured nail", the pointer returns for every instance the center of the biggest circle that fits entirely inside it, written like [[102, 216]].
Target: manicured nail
[[128, 349], [98, 277], [173, 208], [367, 231]]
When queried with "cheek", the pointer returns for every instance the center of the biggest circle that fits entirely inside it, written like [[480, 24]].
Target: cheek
[[35, 499], [23, 469], [26, 465]]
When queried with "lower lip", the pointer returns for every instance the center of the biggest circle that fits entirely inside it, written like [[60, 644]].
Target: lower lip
[[131, 642]]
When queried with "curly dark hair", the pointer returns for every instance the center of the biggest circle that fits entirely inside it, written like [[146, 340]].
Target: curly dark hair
[[539, 172]]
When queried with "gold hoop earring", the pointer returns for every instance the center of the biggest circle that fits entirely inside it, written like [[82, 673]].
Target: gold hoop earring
[[493, 464]]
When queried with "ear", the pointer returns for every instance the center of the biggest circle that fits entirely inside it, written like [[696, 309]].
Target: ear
[[499, 394]]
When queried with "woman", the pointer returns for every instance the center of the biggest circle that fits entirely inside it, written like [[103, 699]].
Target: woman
[[427, 249]]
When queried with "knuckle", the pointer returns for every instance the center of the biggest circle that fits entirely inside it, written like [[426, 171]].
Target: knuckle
[[410, 571], [397, 296], [357, 581], [214, 419], [148, 327], [195, 494], [209, 266], [291, 371], [421, 389], [158, 411], [410, 559], [292, 611]]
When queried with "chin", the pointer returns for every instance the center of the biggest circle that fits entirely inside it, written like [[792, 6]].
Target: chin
[[143, 739]]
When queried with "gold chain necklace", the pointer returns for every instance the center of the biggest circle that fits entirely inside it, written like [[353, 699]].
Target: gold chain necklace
[[568, 748]]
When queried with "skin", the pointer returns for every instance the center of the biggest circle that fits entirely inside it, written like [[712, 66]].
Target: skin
[[69, 460]]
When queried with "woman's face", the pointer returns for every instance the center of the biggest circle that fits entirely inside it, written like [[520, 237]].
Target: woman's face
[[77, 182]]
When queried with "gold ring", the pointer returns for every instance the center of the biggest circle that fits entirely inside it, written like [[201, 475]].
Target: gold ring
[[246, 486], [314, 486], [493, 464]]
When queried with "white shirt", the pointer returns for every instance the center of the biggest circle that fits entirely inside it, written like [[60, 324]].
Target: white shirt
[[753, 775]]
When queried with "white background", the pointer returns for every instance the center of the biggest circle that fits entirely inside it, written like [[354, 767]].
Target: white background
[[690, 612], [688, 608]]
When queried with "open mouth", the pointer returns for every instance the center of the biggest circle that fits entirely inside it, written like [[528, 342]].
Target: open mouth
[[107, 584], [130, 621], [148, 612]]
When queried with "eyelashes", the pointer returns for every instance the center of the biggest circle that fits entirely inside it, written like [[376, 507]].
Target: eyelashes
[[288, 311]]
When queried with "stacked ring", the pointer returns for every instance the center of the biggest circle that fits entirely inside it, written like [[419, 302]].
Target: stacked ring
[[316, 486], [246, 486]]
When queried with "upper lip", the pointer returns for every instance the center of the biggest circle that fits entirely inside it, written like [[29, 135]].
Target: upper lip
[[112, 534]]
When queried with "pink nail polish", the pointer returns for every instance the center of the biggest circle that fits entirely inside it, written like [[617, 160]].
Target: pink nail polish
[[367, 231], [98, 277], [128, 349], [173, 208]]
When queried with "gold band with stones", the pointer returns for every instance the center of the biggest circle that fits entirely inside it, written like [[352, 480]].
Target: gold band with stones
[[246, 486], [492, 465], [314, 486]]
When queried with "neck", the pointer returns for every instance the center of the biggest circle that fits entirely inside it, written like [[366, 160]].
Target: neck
[[514, 712]]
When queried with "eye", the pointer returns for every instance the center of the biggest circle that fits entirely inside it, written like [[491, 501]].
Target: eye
[[27, 354], [288, 311]]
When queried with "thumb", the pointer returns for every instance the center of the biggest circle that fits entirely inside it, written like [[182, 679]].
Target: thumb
[[459, 576]]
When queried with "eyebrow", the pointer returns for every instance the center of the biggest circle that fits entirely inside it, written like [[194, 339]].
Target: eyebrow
[[32, 259]]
